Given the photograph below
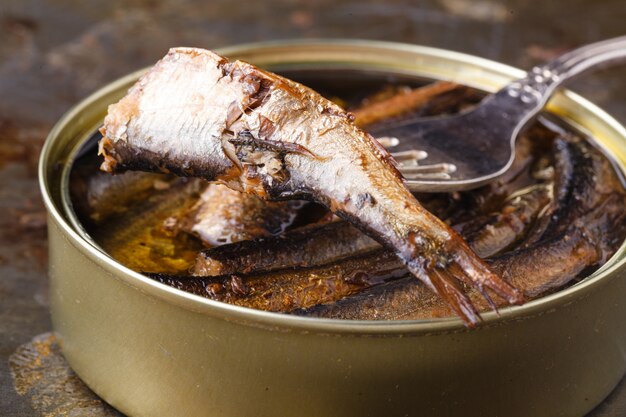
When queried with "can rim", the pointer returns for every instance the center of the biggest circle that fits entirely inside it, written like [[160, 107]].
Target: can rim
[[273, 320]]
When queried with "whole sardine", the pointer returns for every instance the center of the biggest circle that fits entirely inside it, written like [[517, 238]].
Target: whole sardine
[[197, 114], [286, 290], [304, 247], [584, 234], [324, 243]]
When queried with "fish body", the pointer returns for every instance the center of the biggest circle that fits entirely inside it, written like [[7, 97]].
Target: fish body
[[197, 114], [582, 233], [222, 216], [290, 289], [301, 248], [509, 225], [97, 196]]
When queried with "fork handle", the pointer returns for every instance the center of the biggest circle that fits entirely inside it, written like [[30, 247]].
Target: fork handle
[[535, 89]]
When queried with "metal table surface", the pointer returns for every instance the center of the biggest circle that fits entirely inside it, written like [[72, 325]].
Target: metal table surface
[[54, 52]]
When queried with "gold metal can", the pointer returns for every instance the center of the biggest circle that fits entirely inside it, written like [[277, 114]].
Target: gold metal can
[[152, 350]]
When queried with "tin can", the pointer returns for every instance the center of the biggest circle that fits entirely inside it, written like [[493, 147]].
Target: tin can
[[152, 350]]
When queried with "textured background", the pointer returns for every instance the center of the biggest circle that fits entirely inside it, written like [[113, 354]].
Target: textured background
[[54, 52]]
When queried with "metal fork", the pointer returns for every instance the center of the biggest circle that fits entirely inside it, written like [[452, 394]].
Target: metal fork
[[475, 147]]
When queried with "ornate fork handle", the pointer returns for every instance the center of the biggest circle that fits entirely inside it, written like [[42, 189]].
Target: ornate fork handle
[[478, 145], [535, 89]]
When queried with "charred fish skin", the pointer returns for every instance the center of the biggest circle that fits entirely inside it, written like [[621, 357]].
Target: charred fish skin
[[260, 133]]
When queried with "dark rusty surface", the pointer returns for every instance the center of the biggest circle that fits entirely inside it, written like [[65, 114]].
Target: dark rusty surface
[[54, 52]]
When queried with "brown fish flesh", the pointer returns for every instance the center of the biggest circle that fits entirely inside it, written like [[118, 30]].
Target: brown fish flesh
[[196, 114]]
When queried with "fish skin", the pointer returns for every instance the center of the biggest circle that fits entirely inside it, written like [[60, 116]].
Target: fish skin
[[309, 246], [300, 145], [286, 290], [584, 179], [501, 230]]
